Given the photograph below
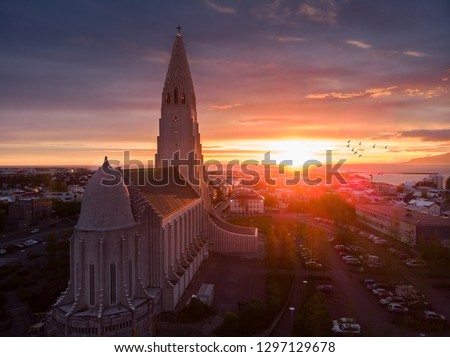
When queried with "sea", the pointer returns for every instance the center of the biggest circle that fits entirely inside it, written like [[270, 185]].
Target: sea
[[398, 174]]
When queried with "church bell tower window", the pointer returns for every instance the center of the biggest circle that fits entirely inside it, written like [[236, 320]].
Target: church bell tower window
[[168, 98], [175, 96], [183, 98]]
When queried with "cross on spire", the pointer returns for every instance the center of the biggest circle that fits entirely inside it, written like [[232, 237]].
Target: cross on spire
[[179, 29]]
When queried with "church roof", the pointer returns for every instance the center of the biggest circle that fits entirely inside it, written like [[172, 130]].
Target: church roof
[[106, 202], [163, 188]]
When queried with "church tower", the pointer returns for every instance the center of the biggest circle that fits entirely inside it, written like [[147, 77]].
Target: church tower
[[178, 143]]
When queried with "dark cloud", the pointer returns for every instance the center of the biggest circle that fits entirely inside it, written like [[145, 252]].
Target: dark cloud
[[427, 135]]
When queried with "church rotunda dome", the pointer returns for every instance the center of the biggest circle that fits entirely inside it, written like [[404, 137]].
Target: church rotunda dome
[[106, 202]]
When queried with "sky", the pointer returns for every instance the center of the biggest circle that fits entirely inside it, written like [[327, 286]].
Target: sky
[[83, 79]]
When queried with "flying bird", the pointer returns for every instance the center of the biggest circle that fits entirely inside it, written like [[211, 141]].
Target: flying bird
[[353, 149], [374, 145], [355, 152], [360, 155], [360, 143], [348, 145], [386, 146], [348, 142]]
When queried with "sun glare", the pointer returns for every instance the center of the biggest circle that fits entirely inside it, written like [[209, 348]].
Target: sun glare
[[299, 151]]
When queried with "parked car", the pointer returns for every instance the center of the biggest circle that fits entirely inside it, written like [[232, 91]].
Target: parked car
[[345, 257], [346, 329], [377, 291], [2, 251], [431, 316], [384, 294], [344, 320], [353, 261], [34, 230], [415, 263], [392, 299], [420, 305], [314, 265], [326, 289], [369, 281], [397, 308]]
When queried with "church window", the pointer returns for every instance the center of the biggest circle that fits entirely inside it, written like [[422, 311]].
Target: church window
[[183, 98], [113, 283], [130, 277], [91, 285], [175, 96], [168, 98], [175, 119]]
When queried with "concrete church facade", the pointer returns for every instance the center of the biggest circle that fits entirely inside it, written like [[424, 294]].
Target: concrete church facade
[[143, 234]]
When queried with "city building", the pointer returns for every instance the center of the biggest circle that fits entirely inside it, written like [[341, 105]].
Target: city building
[[246, 202], [408, 226], [61, 196], [28, 211], [142, 234]]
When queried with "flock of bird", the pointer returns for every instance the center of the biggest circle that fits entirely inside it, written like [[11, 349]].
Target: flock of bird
[[359, 147]]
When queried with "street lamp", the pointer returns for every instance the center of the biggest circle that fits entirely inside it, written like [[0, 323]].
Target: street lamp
[[292, 309], [305, 282]]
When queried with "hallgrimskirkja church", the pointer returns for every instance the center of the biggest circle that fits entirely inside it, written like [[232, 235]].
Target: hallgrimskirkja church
[[142, 234]]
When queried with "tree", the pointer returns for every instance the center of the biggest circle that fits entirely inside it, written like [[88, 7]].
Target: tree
[[58, 186], [271, 248], [313, 318], [2, 216], [230, 325], [252, 318]]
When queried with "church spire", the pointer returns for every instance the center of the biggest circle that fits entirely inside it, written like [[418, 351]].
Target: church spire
[[179, 137], [178, 74]]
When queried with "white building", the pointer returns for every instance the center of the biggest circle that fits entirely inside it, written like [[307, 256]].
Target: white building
[[60, 196], [410, 227], [437, 180], [246, 202], [424, 206]]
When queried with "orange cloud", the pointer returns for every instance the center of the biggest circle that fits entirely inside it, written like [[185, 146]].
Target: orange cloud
[[430, 93], [223, 106], [371, 92], [358, 44], [414, 53]]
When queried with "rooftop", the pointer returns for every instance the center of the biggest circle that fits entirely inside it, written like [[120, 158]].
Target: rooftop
[[164, 189], [405, 215], [233, 228]]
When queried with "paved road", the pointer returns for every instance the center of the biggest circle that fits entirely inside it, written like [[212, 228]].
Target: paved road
[[20, 255]]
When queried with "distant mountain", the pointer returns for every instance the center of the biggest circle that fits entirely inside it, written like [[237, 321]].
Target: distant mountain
[[443, 159]]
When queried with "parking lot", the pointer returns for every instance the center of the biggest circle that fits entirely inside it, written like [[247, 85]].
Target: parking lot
[[348, 266]]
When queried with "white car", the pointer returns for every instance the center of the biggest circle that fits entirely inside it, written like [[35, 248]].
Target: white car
[[346, 329], [2, 251], [34, 230], [397, 308], [353, 261], [433, 316], [392, 299], [344, 320], [415, 263]]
